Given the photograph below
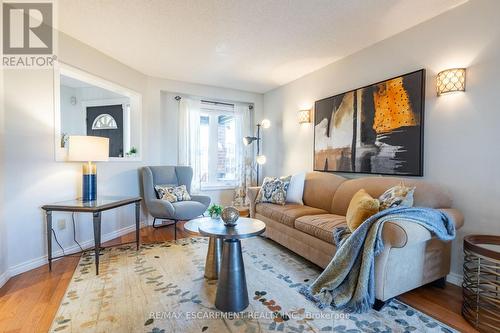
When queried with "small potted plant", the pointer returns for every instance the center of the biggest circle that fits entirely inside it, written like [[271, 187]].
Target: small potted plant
[[214, 211], [132, 152]]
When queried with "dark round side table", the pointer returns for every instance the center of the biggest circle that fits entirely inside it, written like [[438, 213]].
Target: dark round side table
[[232, 294], [481, 286]]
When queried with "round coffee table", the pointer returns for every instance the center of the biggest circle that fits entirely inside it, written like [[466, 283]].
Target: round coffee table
[[232, 294], [214, 253]]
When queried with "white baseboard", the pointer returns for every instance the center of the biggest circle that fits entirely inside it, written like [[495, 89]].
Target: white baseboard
[[37, 262], [455, 279], [4, 278]]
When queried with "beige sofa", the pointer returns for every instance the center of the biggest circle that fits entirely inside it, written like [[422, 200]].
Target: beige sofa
[[412, 256]]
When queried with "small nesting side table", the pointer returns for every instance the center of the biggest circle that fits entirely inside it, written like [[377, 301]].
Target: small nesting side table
[[214, 253], [481, 286]]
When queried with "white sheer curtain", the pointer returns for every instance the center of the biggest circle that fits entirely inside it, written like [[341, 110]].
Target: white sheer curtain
[[244, 154], [189, 138]]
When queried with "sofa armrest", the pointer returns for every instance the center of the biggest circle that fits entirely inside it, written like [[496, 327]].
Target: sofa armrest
[[400, 234], [456, 215], [160, 208], [252, 195]]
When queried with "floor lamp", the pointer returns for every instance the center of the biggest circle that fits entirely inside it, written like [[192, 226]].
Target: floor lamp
[[247, 140]]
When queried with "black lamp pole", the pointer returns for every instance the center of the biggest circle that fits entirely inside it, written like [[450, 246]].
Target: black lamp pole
[[247, 140]]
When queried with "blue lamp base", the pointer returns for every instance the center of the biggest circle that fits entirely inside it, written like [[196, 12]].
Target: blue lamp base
[[89, 182]]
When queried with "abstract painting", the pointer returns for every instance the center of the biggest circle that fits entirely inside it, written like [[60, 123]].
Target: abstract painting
[[375, 129]]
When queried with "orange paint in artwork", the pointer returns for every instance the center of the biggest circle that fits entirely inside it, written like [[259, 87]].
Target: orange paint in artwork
[[392, 107]]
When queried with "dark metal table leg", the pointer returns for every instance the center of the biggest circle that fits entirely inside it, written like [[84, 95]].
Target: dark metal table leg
[[48, 215], [97, 239], [175, 230], [232, 294], [214, 256], [137, 222]]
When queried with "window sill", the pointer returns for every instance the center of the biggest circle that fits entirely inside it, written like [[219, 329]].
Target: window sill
[[217, 187]]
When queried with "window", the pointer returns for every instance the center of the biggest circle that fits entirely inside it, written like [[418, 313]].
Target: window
[[104, 121], [218, 146]]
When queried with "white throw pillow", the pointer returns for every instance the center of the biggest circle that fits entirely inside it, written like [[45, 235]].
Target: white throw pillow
[[296, 189]]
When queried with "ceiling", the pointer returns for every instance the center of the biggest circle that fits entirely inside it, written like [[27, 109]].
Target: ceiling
[[253, 45]]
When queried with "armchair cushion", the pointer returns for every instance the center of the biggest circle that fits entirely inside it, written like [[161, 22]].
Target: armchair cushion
[[160, 208], [187, 210]]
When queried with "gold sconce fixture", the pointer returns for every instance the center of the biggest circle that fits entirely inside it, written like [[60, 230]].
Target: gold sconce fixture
[[304, 116], [450, 80]]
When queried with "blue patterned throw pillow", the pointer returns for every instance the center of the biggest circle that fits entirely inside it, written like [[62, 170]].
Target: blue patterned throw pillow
[[273, 190]]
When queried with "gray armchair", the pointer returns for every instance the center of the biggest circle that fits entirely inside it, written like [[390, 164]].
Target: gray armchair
[[165, 210]]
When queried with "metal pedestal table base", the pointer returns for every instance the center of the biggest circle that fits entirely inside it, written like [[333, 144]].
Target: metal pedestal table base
[[232, 294], [213, 261]]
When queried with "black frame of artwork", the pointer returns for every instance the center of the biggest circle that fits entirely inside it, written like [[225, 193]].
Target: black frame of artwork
[[420, 173]]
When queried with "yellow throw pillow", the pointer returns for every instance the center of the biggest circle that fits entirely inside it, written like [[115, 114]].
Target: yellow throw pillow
[[361, 207]]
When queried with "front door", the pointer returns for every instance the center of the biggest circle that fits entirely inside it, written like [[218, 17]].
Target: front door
[[107, 121]]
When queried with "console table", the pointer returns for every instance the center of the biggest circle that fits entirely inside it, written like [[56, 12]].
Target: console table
[[95, 207]]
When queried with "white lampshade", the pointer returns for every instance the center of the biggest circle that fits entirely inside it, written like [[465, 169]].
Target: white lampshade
[[261, 159], [88, 148]]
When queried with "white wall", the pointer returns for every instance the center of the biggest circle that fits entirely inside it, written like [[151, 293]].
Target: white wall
[[3, 231], [461, 130], [33, 178], [72, 116]]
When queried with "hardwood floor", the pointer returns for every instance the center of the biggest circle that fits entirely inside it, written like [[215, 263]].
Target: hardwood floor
[[29, 301]]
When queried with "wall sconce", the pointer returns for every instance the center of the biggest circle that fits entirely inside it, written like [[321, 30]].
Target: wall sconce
[[450, 80], [304, 116]]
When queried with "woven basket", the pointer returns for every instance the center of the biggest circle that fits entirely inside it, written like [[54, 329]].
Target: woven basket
[[481, 286]]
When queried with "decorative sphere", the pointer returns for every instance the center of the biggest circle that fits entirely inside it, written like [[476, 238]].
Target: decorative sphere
[[230, 215]]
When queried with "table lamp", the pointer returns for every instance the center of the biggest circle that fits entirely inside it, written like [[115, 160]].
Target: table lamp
[[88, 149]]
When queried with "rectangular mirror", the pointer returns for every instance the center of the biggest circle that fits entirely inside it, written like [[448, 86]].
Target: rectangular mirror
[[88, 105]]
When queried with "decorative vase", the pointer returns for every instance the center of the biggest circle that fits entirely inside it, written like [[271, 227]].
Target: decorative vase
[[230, 215]]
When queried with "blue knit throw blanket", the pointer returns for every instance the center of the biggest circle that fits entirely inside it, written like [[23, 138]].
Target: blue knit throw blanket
[[348, 282]]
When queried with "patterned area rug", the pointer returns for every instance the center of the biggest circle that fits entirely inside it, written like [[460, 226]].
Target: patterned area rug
[[161, 289]]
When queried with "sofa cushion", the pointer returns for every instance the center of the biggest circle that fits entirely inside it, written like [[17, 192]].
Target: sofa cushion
[[319, 188], [320, 226], [286, 214], [426, 194]]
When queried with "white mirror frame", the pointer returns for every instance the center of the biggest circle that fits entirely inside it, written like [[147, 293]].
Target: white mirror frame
[[135, 102]]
